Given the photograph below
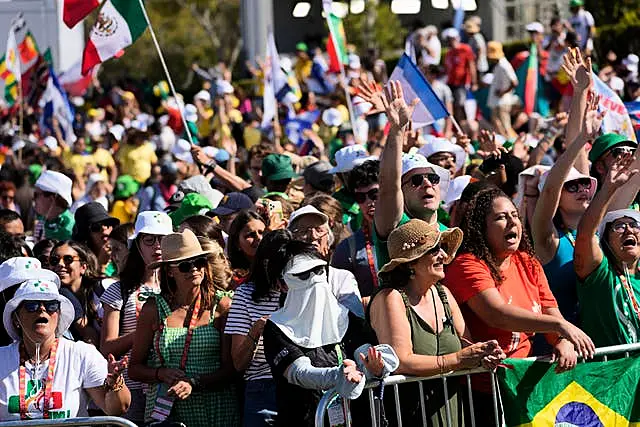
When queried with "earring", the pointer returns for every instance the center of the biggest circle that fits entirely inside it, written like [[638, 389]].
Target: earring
[[412, 273]]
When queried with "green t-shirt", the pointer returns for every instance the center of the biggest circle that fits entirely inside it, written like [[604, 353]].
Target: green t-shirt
[[382, 252], [606, 312], [61, 227]]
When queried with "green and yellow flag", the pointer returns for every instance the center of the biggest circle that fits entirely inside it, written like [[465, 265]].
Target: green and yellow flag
[[10, 83], [594, 394], [337, 41]]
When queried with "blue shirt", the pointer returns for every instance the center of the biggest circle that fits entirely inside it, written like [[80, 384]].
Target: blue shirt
[[562, 277], [351, 255]]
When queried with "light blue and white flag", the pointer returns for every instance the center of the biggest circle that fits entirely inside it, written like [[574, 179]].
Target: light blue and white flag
[[415, 85], [275, 82], [617, 119], [54, 103]]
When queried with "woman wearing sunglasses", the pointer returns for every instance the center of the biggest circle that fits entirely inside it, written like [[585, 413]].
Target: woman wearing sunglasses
[[123, 301], [77, 268], [606, 263], [312, 341], [45, 376], [93, 227], [419, 318], [179, 350], [245, 234]]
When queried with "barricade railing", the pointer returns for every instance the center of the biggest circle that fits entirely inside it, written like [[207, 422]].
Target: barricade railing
[[71, 422], [395, 380]]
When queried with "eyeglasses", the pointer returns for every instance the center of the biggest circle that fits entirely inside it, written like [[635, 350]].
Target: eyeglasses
[[197, 263], [361, 197], [7, 198], [619, 151], [418, 179], [621, 227], [577, 185], [97, 227], [33, 306], [316, 232], [151, 239], [305, 275], [66, 259]]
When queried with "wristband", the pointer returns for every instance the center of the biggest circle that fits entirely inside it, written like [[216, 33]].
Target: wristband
[[211, 165]]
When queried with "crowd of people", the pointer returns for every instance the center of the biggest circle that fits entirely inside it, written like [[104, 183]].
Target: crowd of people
[[214, 271]]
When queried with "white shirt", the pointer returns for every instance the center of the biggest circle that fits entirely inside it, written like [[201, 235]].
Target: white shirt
[[79, 366], [582, 23], [345, 287], [503, 75]]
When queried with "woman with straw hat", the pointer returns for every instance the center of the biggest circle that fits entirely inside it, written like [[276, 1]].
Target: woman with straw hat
[[420, 319], [43, 376], [179, 349]]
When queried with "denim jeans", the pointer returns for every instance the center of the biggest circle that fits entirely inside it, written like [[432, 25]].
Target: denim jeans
[[259, 403]]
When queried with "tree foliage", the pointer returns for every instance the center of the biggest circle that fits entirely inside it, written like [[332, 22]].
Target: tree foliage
[[608, 12], [384, 30]]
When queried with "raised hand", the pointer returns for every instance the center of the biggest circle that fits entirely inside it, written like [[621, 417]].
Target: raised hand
[[577, 68], [621, 171], [398, 112], [592, 119], [463, 140], [489, 146], [373, 361], [371, 93]]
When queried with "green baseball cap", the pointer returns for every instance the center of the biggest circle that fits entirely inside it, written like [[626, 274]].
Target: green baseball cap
[[302, 46], [277, 166], [126, 187], [192, 204], [35, 170], [576, 3], [605, 142]]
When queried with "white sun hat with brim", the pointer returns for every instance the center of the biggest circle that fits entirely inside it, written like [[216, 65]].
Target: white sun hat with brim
[[181, 150], [57, 183], [522, 177], [574, 175], [418, 161], [306, 210], [152, 222], [443, 145], [38, 290], [456, 187], [616, 215], [20, 269], [349, 157]]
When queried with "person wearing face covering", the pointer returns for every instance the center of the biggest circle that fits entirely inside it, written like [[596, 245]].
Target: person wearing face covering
[[310, 341]]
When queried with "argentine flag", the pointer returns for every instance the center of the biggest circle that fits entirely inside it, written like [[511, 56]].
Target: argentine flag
[[415, 85]]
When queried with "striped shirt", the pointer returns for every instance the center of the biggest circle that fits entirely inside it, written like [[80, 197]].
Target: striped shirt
[[243, 314], [112, 298]]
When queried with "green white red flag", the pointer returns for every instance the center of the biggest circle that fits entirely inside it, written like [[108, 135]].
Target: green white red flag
[[337, 42]]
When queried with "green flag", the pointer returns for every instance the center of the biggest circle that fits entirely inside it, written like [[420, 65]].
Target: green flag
[[594, 394], [338, 37]]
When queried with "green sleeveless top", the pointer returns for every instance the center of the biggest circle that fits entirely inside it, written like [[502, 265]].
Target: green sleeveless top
[[201, 408]]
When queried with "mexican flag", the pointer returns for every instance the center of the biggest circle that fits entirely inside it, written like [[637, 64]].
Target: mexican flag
[[120, 23], [337, 41], [592, 394]]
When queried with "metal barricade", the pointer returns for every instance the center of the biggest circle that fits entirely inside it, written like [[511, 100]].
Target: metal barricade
[[396, 380], [71, 422]]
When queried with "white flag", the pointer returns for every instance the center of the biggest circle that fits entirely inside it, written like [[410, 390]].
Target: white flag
[[12, 59]]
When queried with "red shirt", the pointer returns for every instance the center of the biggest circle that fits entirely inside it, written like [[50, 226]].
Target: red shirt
[[457, 63]]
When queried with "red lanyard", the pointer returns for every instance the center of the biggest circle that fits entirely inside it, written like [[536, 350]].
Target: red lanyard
[[631, 295], [369, 247], [48, 385], [187, 342]]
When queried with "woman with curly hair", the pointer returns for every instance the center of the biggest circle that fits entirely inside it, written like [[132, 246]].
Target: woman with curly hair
[[502, 290]]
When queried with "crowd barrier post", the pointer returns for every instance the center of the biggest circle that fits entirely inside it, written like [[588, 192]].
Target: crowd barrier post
[[70, 422]]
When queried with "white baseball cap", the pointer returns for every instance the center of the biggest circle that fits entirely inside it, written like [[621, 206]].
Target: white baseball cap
[[20, 269], [535, 27], [152, 222], [443, 145], [349, 157], [117, 131], [190, 113], [181, 150], [51, 143], [615, 215], [418, 161], [57, 183], [306, 210], [203, 95], [332, 117]]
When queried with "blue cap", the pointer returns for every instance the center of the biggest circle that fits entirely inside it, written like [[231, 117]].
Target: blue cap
[[232, 203]]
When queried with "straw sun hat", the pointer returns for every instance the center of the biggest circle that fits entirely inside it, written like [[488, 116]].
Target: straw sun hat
[[179, 247], [415, 238]]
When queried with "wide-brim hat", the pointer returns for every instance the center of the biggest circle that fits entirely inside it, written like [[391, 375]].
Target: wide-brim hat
[[57, 183], [573, 175], [20, 269], [349, 157], [615, 215], [443, 145], [178, 247], [152, 222], [415, 238], [38, 290]]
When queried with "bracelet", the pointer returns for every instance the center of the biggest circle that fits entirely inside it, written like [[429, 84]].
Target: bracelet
[[116, 386]]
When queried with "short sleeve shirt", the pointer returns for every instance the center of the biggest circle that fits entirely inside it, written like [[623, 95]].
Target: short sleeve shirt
[[457, 65], [606, 310], [79, 366], [61, 227], [524, 285], [136, 160]]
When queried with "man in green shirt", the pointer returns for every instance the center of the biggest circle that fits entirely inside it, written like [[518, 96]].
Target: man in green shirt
[[52, 198], [410, 186]]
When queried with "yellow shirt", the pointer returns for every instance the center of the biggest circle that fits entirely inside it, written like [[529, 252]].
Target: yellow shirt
[[104, 160], [235, 116], [125, 210], [302, 69], [205, 124], [77, 162], [137, 160], [252, 136]]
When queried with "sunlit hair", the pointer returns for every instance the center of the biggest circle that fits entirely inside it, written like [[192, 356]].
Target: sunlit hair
[[218, 264], [474, 228]]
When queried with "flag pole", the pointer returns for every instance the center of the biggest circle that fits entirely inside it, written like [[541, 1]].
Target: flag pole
[[455, 123], [166, 72]]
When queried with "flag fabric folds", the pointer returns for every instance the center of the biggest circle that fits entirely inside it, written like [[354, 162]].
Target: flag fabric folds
[[617, 119], [55, 104], [275, 82], [119, 24], [34, 81], [531, 86], [415, 85], [10, 84], [75, 11], [592, 394], [28, 49], [337, 41], [74, 82], [12, 61]]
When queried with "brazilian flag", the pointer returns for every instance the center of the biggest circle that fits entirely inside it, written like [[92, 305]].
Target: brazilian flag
[[594, 394]]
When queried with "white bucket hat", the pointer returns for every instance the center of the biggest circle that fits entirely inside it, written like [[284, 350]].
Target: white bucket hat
[[20, 269], [57, 183], [615, 215], [332, 117], [306, 210], [574, 175], [349, 157], [522, 176], [443, 145], [455, 190], [181, 150], [38, 290], [152, 222], [418, 161]]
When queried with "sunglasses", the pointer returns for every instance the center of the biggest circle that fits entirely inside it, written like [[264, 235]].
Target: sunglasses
[[97, 227], [305, 275], [151, 239], [619, 151], [577, 184], [186, 266], [361, 197], [621, 227], [66, 259], [418, 179], [435, 250], [33, 306]]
